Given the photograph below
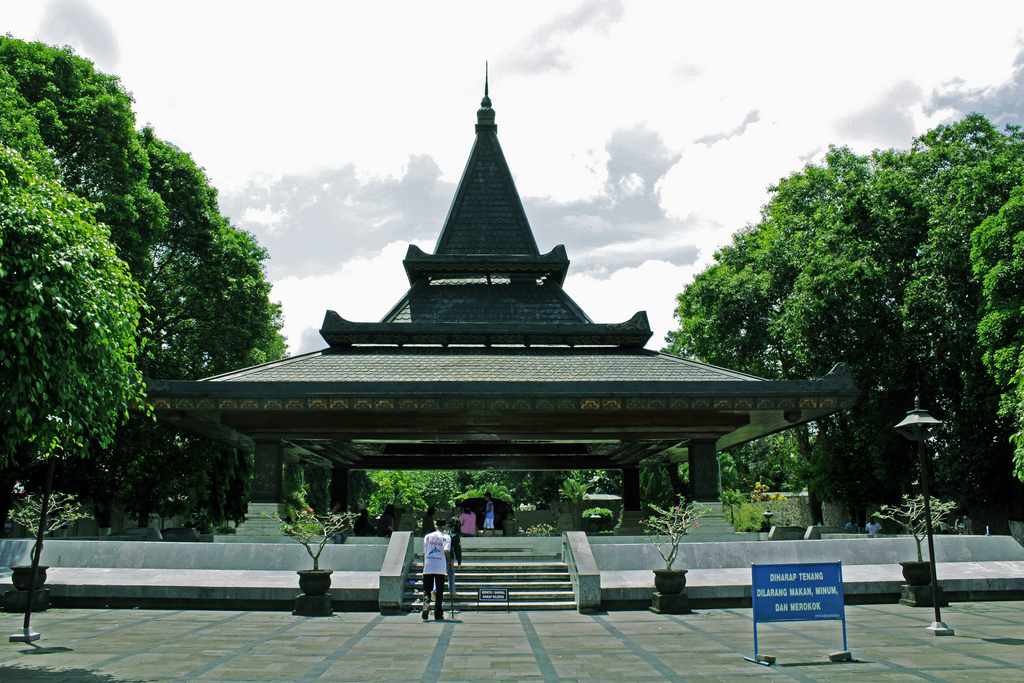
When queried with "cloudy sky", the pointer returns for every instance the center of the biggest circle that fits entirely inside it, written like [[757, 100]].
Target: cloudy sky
[[642, 135]]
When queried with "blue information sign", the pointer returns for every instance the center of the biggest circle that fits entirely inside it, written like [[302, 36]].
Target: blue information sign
[[797, 592]]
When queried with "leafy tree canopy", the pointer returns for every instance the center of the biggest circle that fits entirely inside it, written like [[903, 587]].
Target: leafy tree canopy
[[68, 315], [867, 260], [206, 308]]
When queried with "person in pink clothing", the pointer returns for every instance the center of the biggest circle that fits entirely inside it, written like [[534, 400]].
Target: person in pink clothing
[[468, 521]]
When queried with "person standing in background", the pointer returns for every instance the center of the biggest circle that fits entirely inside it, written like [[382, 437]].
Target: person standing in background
[[468, 522]]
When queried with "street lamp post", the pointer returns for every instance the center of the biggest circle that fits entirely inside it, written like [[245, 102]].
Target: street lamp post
[[917, 426]]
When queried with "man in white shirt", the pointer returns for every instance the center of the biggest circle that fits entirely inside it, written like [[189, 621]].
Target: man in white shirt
[[437, 563], [873, 527]]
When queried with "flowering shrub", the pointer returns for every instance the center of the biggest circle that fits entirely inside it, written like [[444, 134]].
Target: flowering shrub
[[761, 493], [540, 530], [313, 530], [666, 527]]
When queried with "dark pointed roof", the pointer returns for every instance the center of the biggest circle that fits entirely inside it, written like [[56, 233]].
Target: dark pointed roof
[[487, 363], [486, 216], [486, 282]]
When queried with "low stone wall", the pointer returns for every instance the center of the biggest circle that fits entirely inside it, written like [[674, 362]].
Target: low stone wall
[[855, 551], [970, 568], [208, 556]]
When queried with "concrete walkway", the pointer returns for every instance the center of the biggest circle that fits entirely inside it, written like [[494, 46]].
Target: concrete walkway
[[889, 642]]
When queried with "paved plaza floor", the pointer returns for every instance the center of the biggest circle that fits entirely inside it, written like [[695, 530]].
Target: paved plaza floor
[[889, 643]]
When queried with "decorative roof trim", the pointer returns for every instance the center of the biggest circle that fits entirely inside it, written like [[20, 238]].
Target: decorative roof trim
[[337, 331], [418, 263]]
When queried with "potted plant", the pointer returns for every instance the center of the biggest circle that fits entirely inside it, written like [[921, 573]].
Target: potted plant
[[665, 529], [596, 520], [910, 515], [62, 510], [313, 531]]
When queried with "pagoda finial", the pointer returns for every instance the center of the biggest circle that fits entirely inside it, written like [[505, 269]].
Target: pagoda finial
[[485, 115], [486, 101]]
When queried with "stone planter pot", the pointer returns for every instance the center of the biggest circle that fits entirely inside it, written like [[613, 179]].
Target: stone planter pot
[[509, 526], [917, 573], [21, 575], [670, 581], [315, 581]]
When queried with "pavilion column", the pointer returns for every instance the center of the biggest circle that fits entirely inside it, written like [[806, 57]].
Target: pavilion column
[[630, 525], [266, 493], [339, 489], [704, 476], [705, 488]]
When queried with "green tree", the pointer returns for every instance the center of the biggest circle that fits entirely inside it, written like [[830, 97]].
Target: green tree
[[395, 488], [68, 315], [966, 171], [85, 118], [207, 299], [68, 311], [997, 255], [865, 259]]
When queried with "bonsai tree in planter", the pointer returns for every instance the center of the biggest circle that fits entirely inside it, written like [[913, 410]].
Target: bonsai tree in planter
[[910, 515], [61, 511], [313, 530], [665, 529]]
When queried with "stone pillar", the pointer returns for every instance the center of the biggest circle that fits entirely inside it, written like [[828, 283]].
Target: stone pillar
[[630, 525], [267, 472], [339, 489], [704, 479], [266, 497]]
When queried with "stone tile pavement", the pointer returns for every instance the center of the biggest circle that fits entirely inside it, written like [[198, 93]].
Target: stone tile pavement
[[888, 641]]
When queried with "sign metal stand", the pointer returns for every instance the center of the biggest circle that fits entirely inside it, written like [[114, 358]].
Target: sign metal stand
[[797, 592]]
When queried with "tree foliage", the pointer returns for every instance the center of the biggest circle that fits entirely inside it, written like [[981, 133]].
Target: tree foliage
[[867, 260], [997, 255], [68, 314], [207, 307]]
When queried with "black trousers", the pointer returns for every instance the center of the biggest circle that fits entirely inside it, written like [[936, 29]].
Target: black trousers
[[457, 547], [435, 583]]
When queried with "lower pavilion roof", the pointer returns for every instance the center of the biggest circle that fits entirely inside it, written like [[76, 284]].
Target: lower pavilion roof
[[475, 407]]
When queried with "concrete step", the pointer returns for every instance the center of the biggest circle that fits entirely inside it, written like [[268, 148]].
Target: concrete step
[[501, 607], [505, 572], [516, 600], [531, 584], [506, 567]]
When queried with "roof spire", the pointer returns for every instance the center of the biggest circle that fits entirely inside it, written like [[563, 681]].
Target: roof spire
[[485, 115], [486, 101]]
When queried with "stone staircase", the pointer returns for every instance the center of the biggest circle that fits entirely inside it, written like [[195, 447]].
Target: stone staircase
[[535, 580], [713, 526]]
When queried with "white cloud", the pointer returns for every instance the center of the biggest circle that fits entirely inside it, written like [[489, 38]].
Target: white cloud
[[361, 290], [265, 216], [614, 298], [640, 135]]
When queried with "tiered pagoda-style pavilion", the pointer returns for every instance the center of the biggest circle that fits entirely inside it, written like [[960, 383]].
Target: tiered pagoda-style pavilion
[[487, 363]]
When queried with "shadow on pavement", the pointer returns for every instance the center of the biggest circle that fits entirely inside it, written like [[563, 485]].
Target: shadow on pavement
[[24, 674]]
